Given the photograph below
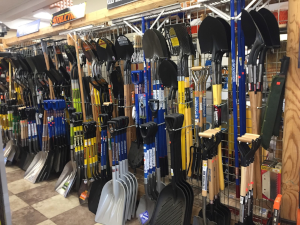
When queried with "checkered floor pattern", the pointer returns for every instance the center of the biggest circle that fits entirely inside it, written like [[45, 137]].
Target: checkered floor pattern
[[40, 204]]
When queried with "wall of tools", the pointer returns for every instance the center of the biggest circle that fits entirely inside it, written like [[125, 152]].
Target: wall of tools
[[117, 95]]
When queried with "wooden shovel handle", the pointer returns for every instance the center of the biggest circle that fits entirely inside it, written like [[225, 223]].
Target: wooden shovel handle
[[243, 180], [77, 46], [197, 68]]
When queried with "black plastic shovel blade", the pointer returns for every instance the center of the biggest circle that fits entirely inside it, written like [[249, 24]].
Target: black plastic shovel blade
[[185, 41], [228, 32], [212, 36], [168, 73], [124, 48], [149, 38], [273, 26], [161, 45], [262, 26], [101, 50], [248, 28], [170, 207]]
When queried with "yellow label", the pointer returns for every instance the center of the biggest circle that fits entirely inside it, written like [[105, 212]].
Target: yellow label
[[85, 143], [102, 43], [265, 167], [204, 164], [175, 41]]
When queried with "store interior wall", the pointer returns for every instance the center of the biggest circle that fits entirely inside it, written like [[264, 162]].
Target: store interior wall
[[92, 5]]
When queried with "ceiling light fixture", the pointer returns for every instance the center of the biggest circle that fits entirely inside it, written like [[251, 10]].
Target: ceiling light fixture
[[43, 15]]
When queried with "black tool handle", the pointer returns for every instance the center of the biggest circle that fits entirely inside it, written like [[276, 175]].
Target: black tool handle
[[285, 62], [154, 106]]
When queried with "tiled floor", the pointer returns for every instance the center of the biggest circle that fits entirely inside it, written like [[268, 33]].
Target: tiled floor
[[40, 204]]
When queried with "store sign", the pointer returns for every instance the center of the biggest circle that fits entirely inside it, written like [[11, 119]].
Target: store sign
[[68, 14], [116, 3], [28, 28]]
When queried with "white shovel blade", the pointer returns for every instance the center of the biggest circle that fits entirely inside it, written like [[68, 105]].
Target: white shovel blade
[[111, 208], [134, 196]]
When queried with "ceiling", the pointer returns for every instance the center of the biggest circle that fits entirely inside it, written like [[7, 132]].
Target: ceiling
[[15, 13]]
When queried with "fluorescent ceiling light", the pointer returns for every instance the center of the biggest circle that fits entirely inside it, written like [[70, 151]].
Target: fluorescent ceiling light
[[43, 15]]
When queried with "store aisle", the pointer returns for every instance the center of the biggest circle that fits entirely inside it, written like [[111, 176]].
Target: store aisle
[[40, 204]]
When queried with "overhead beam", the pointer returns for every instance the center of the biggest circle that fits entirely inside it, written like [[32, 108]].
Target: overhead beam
[[97, 17]]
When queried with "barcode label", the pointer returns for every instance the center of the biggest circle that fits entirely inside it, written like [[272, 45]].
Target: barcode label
[[204, 176], [110, 1]]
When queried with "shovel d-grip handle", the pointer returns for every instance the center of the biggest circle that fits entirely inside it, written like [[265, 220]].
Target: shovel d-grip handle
[[103, 118], [145, 130], [154, 106], [126, 118], [112, 126]]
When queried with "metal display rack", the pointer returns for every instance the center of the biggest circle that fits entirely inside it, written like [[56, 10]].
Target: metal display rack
[[174, 14]]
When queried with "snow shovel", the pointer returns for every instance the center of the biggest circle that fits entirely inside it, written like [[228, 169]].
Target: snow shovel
[[254, 40], [97, 187], [146, 203], [186, 49], [111, 206], [171, 203], [129, 178], [50, 106], [154, 106], [30, 135], [12, 149], [134, 180], [122, 178], [39, 160], [68, 175]]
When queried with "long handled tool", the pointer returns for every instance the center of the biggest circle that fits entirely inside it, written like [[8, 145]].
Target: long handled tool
[[255, 41], [212, 138], [11, 147], [112, 202], [147, 202], [122, 178], [97, 186], [171, 207], [68, 175], [131, 213], [211, 41], [247, 175]]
